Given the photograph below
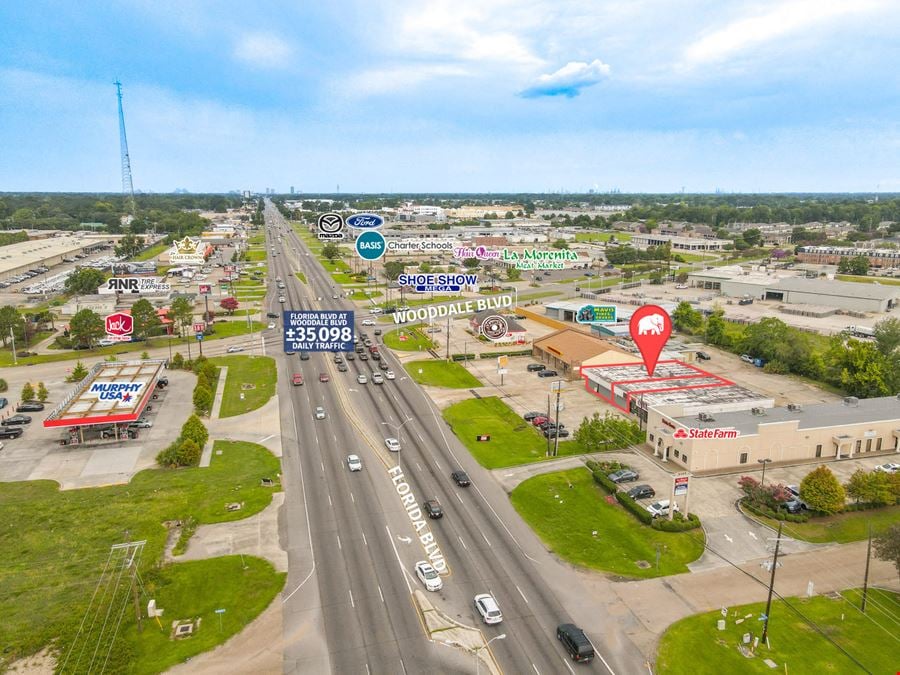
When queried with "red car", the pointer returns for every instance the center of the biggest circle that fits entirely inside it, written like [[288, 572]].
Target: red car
[[538, 421], [323, 377], [373, 349], [297, 379]]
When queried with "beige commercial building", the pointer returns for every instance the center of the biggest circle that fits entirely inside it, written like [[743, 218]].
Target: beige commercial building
[[730, 440]]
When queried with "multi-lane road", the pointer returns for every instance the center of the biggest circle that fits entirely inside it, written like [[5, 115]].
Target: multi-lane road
[[348, 604]]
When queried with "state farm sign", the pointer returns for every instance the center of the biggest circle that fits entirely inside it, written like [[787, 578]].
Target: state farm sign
[[119, 325], [706, 433]]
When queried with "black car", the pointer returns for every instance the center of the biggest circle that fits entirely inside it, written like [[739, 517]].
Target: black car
[[641, 492], [16, 420], [304, 356], [575, 642], [342, 367], [377, 331], [535, 367], [363, 356], [553, 432], [548, 373], [543, 426], [624, 476], [30, 406], [433, 509], [10, 432], [360, 349], [461, 478], [531, 415], [703, 356], [3, 403], [351, 356], [384, 365], [272, 315], [376, 356]]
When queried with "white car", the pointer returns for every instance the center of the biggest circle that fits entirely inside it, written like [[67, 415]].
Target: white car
[[271, 324], [890, 467], [376, 310], [429, 576], [681, 287], [232, 350], [354, 463], [389, 374], [377, 378], [392, 444], [362, 379], [368, 322], [660, 508], [320, 413], [281, 299], [141, 424], [488, 608]]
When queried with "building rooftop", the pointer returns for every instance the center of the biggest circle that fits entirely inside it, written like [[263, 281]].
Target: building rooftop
[[34, 252], [513, 325], [838, 288], [573, 345], [819, 415]]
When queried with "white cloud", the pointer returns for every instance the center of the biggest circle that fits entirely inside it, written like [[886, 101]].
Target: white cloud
[[778, 20], [569, 80], [396, 78], [263, 50]]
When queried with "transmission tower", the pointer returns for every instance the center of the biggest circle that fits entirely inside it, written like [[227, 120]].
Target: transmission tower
[[127, 184]]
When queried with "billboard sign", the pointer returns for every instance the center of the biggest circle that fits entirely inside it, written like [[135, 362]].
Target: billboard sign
[[424, 283], [318, 331], [370, 245], [205, 289], [681, 484]]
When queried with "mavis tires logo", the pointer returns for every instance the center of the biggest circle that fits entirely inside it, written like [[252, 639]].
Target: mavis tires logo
[[706, 433], [365, 221], [330, 226], [125, 392]]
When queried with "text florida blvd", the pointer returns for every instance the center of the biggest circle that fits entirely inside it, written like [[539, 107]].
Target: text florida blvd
[[432, 550]]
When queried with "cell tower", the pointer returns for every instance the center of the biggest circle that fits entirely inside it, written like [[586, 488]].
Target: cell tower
[[127, 184]]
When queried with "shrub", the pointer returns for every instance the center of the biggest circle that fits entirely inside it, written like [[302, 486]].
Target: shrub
[[27, 392], [769, 496], [197, 365], [822, 491], [177, 361], [462, 357], [636, 509], [678, 523], [194, 430], [145, 355], [779, 514], [203, 400], [42, 393], [168, 457], [202, 381], [188, 453], [3, 385], [79, 372]]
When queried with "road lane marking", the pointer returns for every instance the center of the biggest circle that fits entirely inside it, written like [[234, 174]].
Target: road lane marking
[[419, 466], [458, 497], [352, 498], [568, 666], [352, 604], [402, 571], [323, 466], [330, 503], [364, 539], [522, 594], [485, 539], [438, 465], [462, 542], [339, 542], [535, 669], [263, 440], [312, 552], [381, 595]]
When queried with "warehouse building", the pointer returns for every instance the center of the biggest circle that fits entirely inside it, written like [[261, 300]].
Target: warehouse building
[[565, 350], [644, 241], [839, 294], [733, 281], [715, 441]]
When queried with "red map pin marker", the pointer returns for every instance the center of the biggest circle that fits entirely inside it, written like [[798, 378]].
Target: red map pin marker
[[650, 329]]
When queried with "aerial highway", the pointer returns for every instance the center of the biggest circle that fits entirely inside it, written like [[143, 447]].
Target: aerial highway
[[351, 542]]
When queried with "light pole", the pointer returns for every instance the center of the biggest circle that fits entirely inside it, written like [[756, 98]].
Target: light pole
[[502, 636], [398, 427], [763, 462]]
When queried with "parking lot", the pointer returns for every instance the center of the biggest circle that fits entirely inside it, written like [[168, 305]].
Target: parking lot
[[38, 454]]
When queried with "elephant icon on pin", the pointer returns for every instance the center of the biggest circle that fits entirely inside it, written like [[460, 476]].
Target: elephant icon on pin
[[652, 324]]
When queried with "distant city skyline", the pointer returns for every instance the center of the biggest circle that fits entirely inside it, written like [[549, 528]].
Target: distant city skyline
[[453, 96]]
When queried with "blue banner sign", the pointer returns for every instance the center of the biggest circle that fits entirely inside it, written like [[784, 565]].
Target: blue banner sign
[[325, 331]]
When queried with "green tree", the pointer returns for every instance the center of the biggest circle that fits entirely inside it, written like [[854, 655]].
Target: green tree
[[716, 333], [753, 236], [42, 393], [177, 361], [560, 243], [203, 400], [181, 313], [27, 392], [85, 281], [887, 335], [79, 372], [129, 246], [857, 265], [471, 263], [857, 487], [86, 327], [513, 273], [857, 367], [687, 319], [146, 321], [610, 431], [887, 546], [822, 491], [880, 490], [194, 430], [188, 453], [393, 270], [331, 251], [10, 320]]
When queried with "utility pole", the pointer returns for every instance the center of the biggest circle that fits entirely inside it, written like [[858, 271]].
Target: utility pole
[[548, 417], [866, 577], [13, 336], [765, 632], [556, 435]]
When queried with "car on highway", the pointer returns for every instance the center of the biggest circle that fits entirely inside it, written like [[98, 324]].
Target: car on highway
[[890, 467], [16, 420], [368, 322], [297, 379], [10, 432], [376, 310], [338, 358], [660, 508], [281, 299], [271, 324], [429, 576], [488, 608], [304, 356], [624, 476], [548, 373], [432, 508], [377, 331], [342, 367], [324, 377], [575, 641], [535, 367], [351, 356], [389, 375], [30, 406], [363, 356], [641, 492], [376, 356], [362, 379], [461, 478], [334, 296], [234, 349], [354, 463], [320, 413], [392, 444], [141, 424], [272, 315], [377, 378]]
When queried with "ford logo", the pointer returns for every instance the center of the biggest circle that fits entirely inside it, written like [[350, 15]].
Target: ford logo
[[365, 221]]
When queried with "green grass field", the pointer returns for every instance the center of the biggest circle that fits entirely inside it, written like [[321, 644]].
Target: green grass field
[[566, 507], [256, 370], [535, 296], [416, 339], [342, 278], [150, 253], [253, 255], [694, 646], [513, 440], [839, 528], [54, 544], [301, 277], [868, 280], [441, 374], [364, 296]]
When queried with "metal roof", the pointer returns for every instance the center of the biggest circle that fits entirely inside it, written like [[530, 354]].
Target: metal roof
[[846, 289]]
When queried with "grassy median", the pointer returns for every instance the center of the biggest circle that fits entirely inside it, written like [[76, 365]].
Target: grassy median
[[441, 374], [54, 544], [256, 371], [415, 340], [513, 440], [566, 508], [694, 646]]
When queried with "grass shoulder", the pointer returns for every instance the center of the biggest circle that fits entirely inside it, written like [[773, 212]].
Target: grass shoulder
[[513, 440], [566, 508], [254, 377], [694, 646], [408, 339], [441, 374], [839, 528]]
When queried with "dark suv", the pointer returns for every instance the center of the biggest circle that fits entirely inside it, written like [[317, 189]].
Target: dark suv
[[10, 432], [535, 367], [575, 642], [433, 509], [461, 478]]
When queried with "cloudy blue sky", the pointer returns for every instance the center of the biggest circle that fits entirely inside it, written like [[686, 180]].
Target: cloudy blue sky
[[453, 95]]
